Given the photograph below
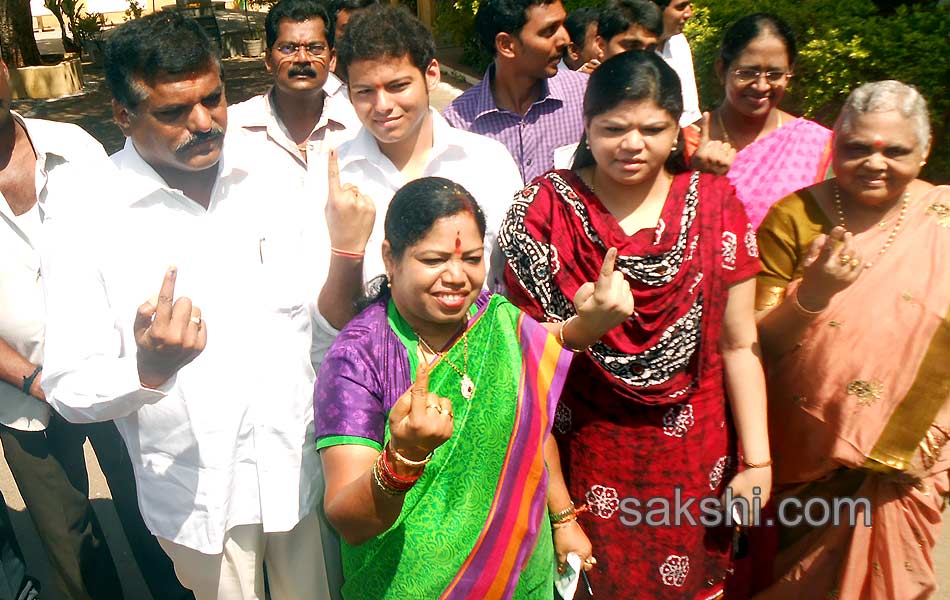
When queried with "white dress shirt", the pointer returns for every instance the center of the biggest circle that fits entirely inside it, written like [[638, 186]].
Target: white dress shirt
[[70, 168], [229, 440], [481, 165], [677, 54], [267, 145]]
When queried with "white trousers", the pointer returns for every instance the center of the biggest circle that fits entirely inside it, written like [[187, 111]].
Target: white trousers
[[294, 560]]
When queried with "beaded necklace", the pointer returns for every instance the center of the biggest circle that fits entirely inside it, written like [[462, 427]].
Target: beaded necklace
[[905, 203]]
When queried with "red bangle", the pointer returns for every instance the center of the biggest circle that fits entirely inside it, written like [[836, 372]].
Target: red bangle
[[392, 472], [401, 484], [346, 253]]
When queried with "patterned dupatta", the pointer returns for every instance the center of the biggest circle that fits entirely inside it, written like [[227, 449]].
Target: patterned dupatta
[[471, 527], [554, 240]]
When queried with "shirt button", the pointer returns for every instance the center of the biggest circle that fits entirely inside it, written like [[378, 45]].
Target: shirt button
[[528, 162]]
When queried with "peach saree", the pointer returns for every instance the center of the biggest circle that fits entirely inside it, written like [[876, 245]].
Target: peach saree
[[861, 408]]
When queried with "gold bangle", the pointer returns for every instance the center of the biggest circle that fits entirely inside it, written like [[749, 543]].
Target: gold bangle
[[749, 465], [797, 305], [560, 336], [565, 523], [415, 464]]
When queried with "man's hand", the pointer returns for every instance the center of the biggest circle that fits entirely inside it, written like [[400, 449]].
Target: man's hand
[[350, 215], [169, 334]]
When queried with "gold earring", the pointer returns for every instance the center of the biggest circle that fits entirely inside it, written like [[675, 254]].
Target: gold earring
[[674, 148]]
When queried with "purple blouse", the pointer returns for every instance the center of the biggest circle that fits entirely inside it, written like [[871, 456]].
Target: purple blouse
[[365, 371]]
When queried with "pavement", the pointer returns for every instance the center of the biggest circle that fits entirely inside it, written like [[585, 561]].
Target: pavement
[[244, 77]]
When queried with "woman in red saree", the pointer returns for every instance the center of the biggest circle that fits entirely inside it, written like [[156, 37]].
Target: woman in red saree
[[643, 412]]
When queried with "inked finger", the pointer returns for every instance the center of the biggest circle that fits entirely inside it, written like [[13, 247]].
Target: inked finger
[[333, 171], [704, 129], [166, 296], [419, 392], [607, 268]]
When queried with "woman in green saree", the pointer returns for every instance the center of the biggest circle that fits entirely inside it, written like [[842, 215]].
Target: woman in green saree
[[434, 410]]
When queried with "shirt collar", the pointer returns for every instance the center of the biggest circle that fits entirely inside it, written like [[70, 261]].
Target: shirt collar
[[143, 180], [485, 100], [365, 147], [259, 112]]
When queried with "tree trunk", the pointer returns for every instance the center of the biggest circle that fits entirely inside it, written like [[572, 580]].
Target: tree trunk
[[17, 44]]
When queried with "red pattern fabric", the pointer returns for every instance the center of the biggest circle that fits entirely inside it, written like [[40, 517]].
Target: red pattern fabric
[[620, 441]]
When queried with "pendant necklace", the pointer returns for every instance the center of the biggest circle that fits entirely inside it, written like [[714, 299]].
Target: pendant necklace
[[467, 387]]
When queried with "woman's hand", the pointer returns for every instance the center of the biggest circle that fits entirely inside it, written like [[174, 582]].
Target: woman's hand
[[601, 306], [571, 538], [744, 485], [712, 156], [831, 265], [420, 421]]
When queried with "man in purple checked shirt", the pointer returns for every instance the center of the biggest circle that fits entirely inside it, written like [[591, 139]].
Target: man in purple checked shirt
[[524, 101]]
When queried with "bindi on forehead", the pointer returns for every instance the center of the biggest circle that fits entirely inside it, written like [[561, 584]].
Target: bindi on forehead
[[458, 243], [878, 142]]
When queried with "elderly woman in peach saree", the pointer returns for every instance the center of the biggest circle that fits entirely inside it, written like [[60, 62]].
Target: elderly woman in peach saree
[[854, 302]]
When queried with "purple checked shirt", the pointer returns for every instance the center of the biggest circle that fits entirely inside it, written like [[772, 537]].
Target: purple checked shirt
[[554, 120]]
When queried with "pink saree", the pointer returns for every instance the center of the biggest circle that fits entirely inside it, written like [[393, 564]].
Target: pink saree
[[790, 158], [861, 409]]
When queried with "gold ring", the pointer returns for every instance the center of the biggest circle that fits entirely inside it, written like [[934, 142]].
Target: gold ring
[[196, 320], [590, 561], [844, 259], [854, 262]]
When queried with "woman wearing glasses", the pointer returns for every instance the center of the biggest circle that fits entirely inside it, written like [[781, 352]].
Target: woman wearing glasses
[[776, 153]]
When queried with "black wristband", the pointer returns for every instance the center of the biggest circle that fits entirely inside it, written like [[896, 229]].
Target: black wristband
[[29, 379]]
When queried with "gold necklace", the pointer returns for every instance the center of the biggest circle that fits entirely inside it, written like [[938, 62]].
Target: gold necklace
[[905, 203], [728, 138], [467, 387]]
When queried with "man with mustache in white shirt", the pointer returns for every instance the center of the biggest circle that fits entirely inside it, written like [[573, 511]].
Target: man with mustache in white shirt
[[183, 313]]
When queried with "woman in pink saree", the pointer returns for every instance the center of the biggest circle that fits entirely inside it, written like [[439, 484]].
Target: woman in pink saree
[[764, 151], [855, 324]]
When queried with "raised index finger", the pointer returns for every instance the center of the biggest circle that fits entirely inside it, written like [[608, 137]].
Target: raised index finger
[[333, 170], [166, 296], [704, 129], [419, 390], [607, 268]]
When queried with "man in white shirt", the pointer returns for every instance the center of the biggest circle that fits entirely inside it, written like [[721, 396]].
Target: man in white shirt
[[674, 49], [388, 58], [289, 129], [53, 172], [183, 315]]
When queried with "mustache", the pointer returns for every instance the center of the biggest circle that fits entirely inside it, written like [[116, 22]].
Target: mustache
[[304, 69], [195, 139]]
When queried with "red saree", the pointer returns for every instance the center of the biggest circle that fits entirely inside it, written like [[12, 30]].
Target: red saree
[[643, 411]]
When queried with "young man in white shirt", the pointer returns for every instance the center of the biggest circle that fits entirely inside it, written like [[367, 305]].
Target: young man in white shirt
[[388, 57], [183, 314], [289, 129], [674, 49], [54, 172]]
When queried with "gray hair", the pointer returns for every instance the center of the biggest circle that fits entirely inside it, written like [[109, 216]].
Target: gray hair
[[884, 96]]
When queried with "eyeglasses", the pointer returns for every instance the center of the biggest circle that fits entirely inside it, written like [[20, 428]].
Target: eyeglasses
[[312, 49], [750, 75]]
